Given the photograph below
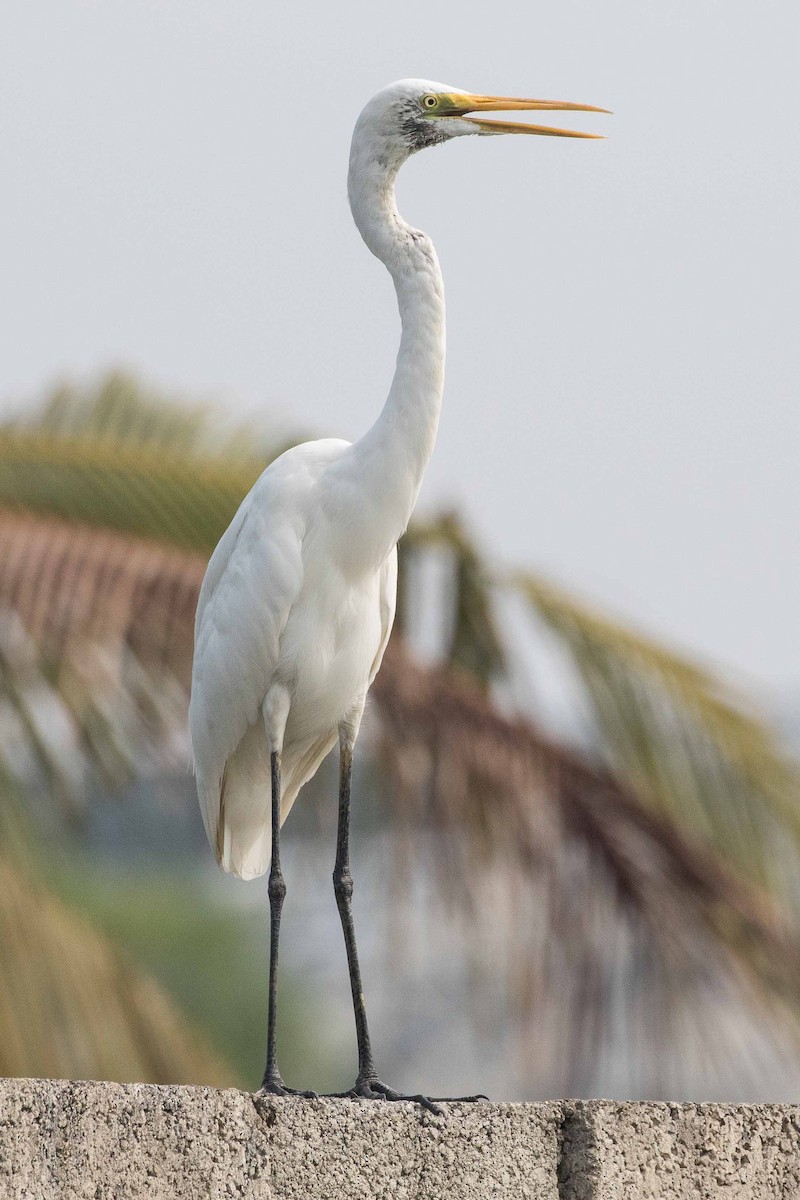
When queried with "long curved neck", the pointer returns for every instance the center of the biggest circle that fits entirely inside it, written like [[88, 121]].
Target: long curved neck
[[391, 457]]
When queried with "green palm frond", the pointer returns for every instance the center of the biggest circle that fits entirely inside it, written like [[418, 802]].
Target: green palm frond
[[687, 744], [112, 1022], [72, 1005], [474, 643], [119, 409], [137, 489], [122, 458]]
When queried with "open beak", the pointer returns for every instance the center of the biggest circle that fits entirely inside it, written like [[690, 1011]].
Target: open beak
[[473, 104]]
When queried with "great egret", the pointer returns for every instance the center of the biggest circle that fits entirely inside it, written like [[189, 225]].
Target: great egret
[[298, 600]]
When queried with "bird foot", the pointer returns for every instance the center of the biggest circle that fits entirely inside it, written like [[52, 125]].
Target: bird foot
[[370, 1087], [274, 1086]]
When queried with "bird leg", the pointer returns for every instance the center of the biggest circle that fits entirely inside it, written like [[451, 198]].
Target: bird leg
[[367, 1086], [343, 888], [272, 1081]]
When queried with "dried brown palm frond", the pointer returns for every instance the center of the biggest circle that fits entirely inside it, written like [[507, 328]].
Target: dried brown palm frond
[[95, 711], [66, 580], [685, 740], [570, 885], [95, 652]]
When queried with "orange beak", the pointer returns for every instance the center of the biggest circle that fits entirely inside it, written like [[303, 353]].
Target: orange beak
[[465, 103]]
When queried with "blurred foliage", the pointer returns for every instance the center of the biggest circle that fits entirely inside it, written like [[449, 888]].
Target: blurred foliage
[[172, 925], [120, 459], [650, 856], [72, 1003], [685, 743], [138, 489], [475, 642], [601, 913]]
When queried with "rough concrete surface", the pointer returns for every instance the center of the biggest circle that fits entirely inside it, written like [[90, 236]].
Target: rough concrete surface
[[124, 1141], [611, 1151], [108, 1141]]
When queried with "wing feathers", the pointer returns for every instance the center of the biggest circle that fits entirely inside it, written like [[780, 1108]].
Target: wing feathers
[[253, 579]]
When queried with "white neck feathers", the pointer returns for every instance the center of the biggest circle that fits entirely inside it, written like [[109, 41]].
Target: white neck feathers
[[391, 457]]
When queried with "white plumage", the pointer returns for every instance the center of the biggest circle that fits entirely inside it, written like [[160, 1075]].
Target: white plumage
[[298, 600], [281, 603]]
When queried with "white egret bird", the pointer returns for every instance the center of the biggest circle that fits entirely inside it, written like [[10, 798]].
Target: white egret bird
[[298, 600]]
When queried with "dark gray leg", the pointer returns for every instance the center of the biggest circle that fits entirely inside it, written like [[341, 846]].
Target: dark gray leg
[[343, 887], [367, 1086], [272, 1081]]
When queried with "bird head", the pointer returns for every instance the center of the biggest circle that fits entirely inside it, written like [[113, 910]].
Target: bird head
[[415, 113]]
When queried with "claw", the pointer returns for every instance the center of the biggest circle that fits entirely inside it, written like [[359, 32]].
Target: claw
[[386, 1093], [372, 1088], [276, 1087]]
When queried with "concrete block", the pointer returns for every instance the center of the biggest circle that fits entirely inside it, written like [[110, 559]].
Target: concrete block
[[106, 1141], [329, 1148], [616, 1151]]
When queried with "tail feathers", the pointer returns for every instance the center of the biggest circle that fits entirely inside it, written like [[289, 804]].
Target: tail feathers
[[242, 838], [236, 813]]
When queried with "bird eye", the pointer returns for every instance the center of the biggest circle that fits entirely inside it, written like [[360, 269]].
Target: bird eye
[[430, 101]]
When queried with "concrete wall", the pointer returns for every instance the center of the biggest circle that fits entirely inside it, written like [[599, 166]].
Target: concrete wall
[[112, 1142]]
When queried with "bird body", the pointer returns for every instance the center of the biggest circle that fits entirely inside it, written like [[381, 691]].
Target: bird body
[[298, 600], [285, 602]]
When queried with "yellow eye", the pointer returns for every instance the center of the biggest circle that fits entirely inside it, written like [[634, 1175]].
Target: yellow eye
[[430, 101]]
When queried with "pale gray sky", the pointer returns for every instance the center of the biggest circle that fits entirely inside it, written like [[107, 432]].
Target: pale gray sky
[[622, 398]]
